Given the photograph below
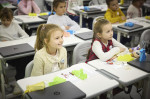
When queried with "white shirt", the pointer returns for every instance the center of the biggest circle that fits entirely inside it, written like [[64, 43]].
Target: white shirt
[[13, 32], [104, 56], [133, 12], [63, 21]]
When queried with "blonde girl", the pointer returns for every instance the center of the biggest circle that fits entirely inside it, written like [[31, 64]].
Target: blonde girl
[[50, 55], [104, 46]]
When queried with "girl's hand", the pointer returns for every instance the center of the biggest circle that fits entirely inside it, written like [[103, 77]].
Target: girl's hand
[[115, 56], [122, 49]]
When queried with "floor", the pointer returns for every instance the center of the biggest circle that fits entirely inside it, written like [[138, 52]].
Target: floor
[[11, 73]]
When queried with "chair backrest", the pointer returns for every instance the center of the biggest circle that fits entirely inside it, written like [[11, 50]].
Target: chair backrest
[[15, 12], [145, 37], [80, 52], [28, 69], [145, 40]]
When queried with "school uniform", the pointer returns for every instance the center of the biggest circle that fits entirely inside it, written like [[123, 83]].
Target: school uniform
[[104, 51], [45, 63], [63, 21]]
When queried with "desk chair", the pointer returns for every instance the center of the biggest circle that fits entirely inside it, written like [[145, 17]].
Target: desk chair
[[15, 12], [80, 52], [145, 39], [28, 69]]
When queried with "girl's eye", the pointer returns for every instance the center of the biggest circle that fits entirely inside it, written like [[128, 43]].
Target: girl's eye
[[57, 38]]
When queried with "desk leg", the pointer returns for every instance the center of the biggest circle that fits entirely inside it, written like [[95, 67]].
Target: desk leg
[[3, 86], [80, 20], [146, 89], [132, 41], [118, 36]]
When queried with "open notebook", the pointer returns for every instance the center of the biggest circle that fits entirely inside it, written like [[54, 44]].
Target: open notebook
[[16, 50], [65, 90]]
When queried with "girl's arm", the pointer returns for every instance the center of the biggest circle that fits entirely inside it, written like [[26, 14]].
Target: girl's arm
[[35, 7], [21, 32], [73, 25], [38, 66], [118, 44], [104, 56], [23, 9]]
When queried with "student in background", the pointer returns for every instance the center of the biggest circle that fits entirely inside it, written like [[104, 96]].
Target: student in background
[[114, 13], [59, 6], [135, 9], [50, 55], [104, 46], [27, 6], [74, 16], [10, 30]]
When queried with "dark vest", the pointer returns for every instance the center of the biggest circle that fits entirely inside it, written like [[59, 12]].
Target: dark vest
[[92, 55]]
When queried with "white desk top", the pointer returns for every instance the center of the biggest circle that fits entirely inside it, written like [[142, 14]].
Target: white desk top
[[124, 74], [29, 19], [68, 41], [94, 85]]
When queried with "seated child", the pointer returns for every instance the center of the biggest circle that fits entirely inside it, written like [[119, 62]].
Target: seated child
[[104, 46], [10, 30], [50, 55], [27, 6], [114, 13], [60, 19], [135, 9]]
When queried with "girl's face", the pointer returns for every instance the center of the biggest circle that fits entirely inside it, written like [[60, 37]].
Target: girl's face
[[107, 33], [114, 5], [6, 22], [61, 9], [56, 40]]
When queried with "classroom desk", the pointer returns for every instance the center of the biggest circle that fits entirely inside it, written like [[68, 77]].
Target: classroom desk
[[136, 32], [69, 43], [124, 74], [92, 14], [94, 85], [9, 5], [29, 21]]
